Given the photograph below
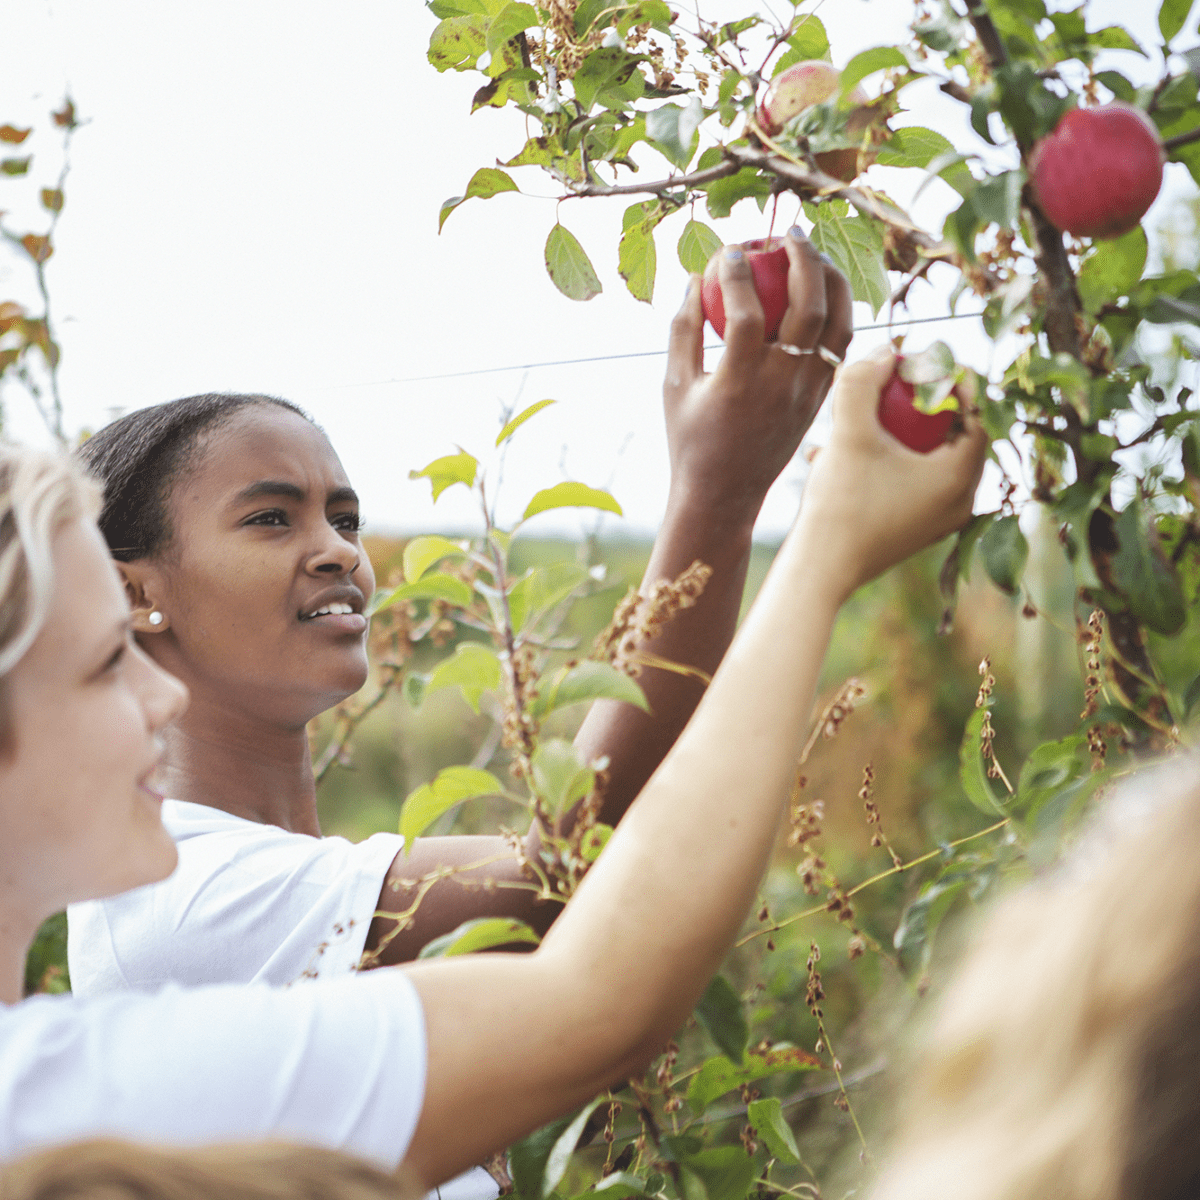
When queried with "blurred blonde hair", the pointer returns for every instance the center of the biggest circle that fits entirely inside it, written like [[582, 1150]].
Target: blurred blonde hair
[[39, 493], [106, 1169], [1065, 1059]]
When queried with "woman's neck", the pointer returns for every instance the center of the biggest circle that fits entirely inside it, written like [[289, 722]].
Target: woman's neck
[[16, 936], [248, 767]]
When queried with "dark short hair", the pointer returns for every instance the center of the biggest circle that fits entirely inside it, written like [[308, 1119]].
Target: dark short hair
[[139, 457]]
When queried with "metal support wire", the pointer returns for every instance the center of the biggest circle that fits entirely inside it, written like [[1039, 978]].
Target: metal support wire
[[572, 362]]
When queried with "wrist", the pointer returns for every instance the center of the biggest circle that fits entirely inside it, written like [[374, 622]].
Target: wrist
[[712, 513]]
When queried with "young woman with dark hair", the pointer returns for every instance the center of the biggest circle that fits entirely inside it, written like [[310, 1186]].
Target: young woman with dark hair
[[234, 523], [438, 1063]]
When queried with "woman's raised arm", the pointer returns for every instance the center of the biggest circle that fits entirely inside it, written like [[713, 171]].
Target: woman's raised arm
[[516, 1040]]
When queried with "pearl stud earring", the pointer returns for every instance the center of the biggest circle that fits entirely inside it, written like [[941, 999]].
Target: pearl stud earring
[[155, 618]]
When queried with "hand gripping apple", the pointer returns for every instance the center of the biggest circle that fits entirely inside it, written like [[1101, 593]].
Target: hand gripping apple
[[624, 964]]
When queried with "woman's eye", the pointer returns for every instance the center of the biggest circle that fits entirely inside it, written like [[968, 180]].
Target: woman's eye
[[348, 523], [272, 516]]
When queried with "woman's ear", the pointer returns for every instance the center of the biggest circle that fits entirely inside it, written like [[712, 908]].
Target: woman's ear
[[142, 585]]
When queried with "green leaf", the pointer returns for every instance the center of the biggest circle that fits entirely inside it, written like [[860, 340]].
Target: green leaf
[[457, 42], [674, 131], [1004, 551], [1049, 768], [473, 668], [867, 62], [594, 841], [446, 472], [724, 1172], [570, 495], [1113, 268], [723, 1016], [451, 786], [602, 70], [722, 194], [856, 246], [654, 13], [1118, 85], [1114, 37], [585, 682], [558, 775], [559, 1157], [971, 770], [422, 552], [482, 933], [620, 1185], [527, 1158], [1146, 578], [913, 939], [637, 259], [438, 586], [1171, 16], [520, 420], [511, 20], [809, 40], [485, 183], [697, 244], [767, 1118], [414, 688], [15, 166], [541, 589], [569, 267], [915, 146], [719, 1075]]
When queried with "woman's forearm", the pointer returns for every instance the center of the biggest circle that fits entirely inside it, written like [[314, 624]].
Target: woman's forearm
[[667, 897]]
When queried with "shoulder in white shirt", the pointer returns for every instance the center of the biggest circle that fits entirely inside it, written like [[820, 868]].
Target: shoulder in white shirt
[[337, 1063]]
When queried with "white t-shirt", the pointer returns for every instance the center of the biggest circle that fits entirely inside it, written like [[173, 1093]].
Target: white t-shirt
[[339, 1063], [248, 903]]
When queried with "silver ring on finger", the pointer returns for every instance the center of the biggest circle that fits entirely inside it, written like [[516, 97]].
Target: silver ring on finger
[[794, 351], [826, 355]]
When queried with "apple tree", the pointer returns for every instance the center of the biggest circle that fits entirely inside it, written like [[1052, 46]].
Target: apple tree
[[1088, 410]]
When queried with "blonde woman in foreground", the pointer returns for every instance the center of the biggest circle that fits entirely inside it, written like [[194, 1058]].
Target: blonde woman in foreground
[[1065, 1059], [434, 1065]]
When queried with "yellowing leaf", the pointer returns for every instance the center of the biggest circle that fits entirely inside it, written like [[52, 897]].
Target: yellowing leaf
[[570, 495], [483, 933], [473, 668], [452, 786], [445, 472], [422, 552], [569, 267], [520, 420]]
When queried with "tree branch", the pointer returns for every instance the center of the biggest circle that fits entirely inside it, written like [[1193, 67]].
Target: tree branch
[[659, 187], [1182, 139], [988, 34]]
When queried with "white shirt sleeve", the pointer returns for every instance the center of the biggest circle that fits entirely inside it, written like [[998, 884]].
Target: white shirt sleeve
[[248, 903], [338, 1064]]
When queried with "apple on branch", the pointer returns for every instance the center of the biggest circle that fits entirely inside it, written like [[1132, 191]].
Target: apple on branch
[[803, 85], [918, 405], [1099, 171]]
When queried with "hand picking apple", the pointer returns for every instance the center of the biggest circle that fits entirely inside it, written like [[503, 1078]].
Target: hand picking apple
[[1099, 171], [801, 86], [769, 264], [733, 430]]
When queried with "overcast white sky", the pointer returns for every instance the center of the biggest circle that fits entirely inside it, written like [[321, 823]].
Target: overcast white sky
[[253, 206]]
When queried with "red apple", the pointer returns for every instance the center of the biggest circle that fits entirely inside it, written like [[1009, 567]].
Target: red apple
[[769, 265], [917, 430], [799, 87], [1099, 171]]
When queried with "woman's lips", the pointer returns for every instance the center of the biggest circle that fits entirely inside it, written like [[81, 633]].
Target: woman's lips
[[339, 622]]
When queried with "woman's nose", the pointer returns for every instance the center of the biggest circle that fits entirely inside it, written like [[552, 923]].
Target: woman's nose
[[336, 556]]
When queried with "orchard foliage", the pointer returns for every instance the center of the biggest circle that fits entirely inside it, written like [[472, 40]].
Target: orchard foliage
[[1090, 412], [22, 331]]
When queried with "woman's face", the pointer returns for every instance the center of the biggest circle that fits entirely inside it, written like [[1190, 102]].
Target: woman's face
[[264, 542], [79, 814]]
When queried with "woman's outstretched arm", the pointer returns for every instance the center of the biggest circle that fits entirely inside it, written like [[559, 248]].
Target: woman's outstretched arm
[[516, 1040], [729, 433]]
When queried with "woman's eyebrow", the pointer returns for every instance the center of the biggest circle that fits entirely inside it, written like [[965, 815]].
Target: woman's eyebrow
[[269, 487], [342, 495]]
